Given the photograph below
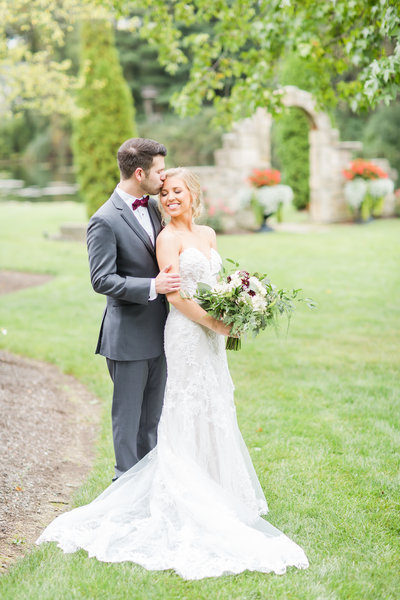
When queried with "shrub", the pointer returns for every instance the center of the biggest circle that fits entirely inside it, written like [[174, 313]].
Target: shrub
[[293, 151], [106, 118]]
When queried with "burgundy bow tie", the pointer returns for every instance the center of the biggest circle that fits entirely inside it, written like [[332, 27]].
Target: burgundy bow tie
[[140, 202]]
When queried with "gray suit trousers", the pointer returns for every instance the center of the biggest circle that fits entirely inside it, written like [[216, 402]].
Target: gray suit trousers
[[137, 402]]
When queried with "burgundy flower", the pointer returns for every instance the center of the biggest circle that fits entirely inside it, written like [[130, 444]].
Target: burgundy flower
[[245, 278]]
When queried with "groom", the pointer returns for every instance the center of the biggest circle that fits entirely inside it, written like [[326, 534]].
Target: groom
[[121, 244]]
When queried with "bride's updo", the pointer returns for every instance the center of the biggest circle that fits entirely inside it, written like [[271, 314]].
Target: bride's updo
[[193, 185]]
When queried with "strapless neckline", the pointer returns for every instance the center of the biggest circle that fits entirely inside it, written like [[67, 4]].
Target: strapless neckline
[[208, 259]]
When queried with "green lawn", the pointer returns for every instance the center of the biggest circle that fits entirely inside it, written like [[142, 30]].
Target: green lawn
[[319, 408]]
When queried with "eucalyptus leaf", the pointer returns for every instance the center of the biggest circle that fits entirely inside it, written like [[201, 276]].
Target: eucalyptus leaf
[[203, 287]]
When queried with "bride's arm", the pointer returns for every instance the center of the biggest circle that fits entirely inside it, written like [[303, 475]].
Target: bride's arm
[[168, 248]]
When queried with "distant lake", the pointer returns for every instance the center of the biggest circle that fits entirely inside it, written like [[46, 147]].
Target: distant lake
[[37, 182]]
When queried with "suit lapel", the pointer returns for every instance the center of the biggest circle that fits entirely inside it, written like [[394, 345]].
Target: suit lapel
[[154, 218], [132, 221]]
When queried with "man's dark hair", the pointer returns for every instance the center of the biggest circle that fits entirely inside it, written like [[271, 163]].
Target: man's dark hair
[[138, 152]]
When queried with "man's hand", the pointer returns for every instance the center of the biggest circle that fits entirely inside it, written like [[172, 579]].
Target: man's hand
[[167, 282]]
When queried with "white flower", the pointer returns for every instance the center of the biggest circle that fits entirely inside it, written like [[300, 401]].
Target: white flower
[[245, 298], [379, 188], [3, 331], [223, 287], [271, 196], [257, 286], [259, 303], [355, 191], [236, 279]]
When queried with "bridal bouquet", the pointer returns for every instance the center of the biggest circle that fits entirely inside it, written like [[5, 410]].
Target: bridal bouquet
[[248, 302]]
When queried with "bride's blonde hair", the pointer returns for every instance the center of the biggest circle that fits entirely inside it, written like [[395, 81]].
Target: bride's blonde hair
[[193, 185]]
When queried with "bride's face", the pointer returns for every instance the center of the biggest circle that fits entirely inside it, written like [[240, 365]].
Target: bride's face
[[175, 197]]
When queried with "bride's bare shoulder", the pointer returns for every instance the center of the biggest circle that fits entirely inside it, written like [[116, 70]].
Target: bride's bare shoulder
[[167, 237], [209, 233]]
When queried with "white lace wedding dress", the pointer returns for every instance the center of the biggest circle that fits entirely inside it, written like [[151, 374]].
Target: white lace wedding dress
[[193, 504]]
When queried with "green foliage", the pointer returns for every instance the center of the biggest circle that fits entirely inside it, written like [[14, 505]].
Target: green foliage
[[293, 150], [189, 141], [379, 132], [351, 126], [52, 145], [141, 69], [291, 133], [37, 74], [233, 49], [382, 134], [107, 114], [17, 132], [354, 46], [39, 149], [34, 133]]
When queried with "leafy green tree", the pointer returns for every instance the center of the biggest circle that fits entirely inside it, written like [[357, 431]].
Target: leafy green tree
[[17, 132], [350, 125], [352, 47], [382, 134], [141, 69], [190, 141], [35, 74], [37, 114], [379, 132], [106, 114]]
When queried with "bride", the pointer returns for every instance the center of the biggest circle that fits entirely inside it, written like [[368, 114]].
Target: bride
[[193, 504]]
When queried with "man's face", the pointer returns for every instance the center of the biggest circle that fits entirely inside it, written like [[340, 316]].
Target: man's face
[[152, 181]]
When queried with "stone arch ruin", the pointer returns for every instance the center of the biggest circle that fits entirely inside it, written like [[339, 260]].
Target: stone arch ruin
[[248, 145]]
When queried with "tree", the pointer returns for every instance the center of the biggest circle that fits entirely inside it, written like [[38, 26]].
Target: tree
[[352, 47], [106, 114], [33, 73], [381, 135], [141, 69]]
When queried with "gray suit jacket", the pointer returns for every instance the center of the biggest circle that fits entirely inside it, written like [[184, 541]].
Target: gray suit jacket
[[122, 262]]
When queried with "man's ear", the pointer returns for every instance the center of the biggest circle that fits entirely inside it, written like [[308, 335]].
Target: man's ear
[[139, 174]]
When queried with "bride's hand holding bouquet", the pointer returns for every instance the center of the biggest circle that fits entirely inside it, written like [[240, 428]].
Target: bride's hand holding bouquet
[[246, 303]]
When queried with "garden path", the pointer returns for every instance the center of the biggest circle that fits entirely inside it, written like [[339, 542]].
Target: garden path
[[47, 431]]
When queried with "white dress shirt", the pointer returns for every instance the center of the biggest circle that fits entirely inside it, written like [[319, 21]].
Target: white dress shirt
[[142, 215]]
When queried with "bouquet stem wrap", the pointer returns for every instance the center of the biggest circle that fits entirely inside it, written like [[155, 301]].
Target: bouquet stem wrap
[[233, 343]]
